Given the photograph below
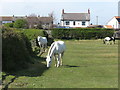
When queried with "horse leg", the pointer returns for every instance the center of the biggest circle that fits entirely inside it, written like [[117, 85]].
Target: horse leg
[[58, 61], [45, 47], [55, 60], [61, 61]]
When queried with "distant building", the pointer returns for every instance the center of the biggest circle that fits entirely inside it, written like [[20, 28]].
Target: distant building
[[46, 22], [75, 20], [115, 22], [33, 21], [6, 19]]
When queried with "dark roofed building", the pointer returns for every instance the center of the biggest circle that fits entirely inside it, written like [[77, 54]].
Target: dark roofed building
[[33, 21], [46, 22], [5, 19], [75, 19]]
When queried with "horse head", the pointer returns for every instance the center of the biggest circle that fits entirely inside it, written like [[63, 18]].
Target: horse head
[[48, 60]]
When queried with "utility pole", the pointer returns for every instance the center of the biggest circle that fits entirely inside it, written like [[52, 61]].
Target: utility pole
[[96, 20]]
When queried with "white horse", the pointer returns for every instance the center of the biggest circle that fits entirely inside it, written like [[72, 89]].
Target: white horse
[[42, 43], [57, 50], [108, 39]]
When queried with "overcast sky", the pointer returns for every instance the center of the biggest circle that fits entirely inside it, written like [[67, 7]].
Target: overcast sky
[[104, 9]]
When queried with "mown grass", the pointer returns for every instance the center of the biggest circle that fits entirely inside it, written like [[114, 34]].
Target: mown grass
[[87, 64]]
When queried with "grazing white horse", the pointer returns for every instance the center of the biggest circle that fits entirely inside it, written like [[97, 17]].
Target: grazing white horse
[[57, 50], [108, 39], [42, 43]]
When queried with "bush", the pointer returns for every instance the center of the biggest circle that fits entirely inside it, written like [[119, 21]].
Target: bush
[[81, 33], [9, 25], [16, 50], [20, 23]]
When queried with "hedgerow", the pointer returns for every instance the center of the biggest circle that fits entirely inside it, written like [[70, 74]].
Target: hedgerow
[[81, 33]]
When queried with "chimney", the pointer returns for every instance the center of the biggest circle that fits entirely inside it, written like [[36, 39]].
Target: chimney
[[63, 11], [88, 11]]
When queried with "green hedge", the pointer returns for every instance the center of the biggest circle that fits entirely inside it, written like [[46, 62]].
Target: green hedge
[[33, 33], [16, 50], [81, 33]]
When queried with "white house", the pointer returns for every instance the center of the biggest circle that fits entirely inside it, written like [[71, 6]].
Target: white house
[[75, 20], [115, 22]]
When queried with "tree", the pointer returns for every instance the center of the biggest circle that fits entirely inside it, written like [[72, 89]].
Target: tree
[[52, 14], [20, 23]]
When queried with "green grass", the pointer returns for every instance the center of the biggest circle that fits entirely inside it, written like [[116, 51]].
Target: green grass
[[87, 64]]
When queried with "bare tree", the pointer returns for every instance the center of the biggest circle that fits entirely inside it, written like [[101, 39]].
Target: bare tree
[[52, 14]]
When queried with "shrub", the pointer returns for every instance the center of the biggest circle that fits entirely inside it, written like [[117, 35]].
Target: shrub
[[21, 23], [8, 24], [16, 50], [81, 33]]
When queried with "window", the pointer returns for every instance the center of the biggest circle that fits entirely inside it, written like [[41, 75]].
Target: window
[[83, 23], [73, 22], [67, 22]]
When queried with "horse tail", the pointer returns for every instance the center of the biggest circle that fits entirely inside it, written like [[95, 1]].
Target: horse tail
[[103, 41], [114, 40]]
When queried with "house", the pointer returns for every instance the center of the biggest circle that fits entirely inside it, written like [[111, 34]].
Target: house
[[33, 21], [75, 20], [46, 22], [115, 22], [6, 19]]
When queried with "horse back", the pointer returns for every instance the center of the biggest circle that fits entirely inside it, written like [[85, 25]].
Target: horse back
[[60, 46]]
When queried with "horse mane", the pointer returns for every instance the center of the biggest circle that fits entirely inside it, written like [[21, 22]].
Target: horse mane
[[52, 45]]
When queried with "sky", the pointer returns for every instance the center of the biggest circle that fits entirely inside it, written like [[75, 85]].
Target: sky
[[104, 9]]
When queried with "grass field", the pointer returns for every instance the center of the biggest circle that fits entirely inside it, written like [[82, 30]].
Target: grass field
[[87, 64]]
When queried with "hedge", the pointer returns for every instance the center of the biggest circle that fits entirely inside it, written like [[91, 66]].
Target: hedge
[[33, 33], [16, 50], [81, 33]]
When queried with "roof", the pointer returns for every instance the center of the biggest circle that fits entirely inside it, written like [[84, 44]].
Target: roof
[[31, 19], [118, 18], [6, 18], [46, 19], [108, 26], [76, 16], [18, 17]]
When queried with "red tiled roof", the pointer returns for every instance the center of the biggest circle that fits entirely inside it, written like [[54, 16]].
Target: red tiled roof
[[108, 26], [117, 16]]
